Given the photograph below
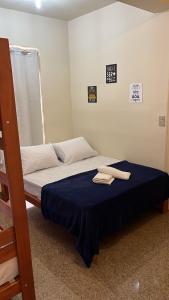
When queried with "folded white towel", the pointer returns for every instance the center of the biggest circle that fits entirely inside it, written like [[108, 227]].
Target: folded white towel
[[114, 172], [102, 178]]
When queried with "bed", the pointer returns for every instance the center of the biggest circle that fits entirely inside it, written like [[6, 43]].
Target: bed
[[58, 190]]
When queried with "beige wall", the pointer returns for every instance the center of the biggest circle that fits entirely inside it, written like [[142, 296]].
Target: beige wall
[[138, 42], [51, 38], [167, 139]]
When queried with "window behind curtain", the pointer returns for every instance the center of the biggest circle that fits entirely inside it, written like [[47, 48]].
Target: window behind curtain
[[27, 86]]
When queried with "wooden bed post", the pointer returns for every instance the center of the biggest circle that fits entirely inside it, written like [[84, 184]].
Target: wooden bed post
[[14, 178]]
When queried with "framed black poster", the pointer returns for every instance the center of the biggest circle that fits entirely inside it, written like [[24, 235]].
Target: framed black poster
[[111, 73], [92, 94]]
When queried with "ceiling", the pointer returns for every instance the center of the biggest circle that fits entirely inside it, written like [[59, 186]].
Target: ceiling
[[60, 9], [70, 9], [155, 6]]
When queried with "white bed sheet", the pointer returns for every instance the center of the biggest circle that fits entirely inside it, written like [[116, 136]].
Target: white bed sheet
[[35, 181], [8, 271]]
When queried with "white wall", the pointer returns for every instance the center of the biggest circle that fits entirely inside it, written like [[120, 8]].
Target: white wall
[[138, 42], [50, 36], [167, 139]]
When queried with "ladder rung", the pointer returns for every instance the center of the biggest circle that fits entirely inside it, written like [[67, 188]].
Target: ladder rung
[[7, 236], [7, 252], [9, 290]]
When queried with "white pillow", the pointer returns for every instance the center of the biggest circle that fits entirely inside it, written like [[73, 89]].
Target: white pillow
[[38, 157], [74, 150]]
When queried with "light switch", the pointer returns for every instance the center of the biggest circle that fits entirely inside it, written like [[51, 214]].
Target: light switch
[[162, 121]]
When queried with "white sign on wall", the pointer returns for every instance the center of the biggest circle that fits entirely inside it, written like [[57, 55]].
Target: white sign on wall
[[136, 92]]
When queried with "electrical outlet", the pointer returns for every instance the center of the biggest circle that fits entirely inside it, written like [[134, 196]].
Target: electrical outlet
[[162, 121]]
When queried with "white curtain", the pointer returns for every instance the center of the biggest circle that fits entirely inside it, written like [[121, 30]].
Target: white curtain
[[26, 77]]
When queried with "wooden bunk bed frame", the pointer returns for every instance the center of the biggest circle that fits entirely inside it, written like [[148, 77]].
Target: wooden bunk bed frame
[[14, 241]]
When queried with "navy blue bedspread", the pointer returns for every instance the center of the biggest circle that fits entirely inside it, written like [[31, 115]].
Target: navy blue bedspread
[[90, 211]]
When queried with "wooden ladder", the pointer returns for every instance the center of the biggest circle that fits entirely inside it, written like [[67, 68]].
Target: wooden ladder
[[16, 238]]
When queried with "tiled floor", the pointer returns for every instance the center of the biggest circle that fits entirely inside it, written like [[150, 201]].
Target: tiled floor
[[133, 265]]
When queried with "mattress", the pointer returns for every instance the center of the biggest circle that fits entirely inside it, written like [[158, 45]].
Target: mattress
[[8, 270], [34, 182]]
